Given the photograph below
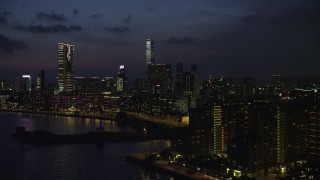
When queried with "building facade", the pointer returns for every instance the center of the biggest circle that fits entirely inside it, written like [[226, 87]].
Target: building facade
[[66, 67], [149, 53]]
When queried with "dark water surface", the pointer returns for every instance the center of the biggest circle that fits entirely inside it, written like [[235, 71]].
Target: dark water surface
[[71, 161]]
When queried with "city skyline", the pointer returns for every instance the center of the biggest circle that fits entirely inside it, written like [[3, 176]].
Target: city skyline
[[224, 38]]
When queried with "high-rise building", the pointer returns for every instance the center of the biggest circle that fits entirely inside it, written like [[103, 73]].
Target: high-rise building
[[205, 135], [66, 67], [80, 85], [314, 132], [107, 84], [179, 77], [121, 79], [276, 84], [159, 78], [276, 135], [218, 132], [17, 84], [92, 84], [40, 80], [149, 53], [26, 83]]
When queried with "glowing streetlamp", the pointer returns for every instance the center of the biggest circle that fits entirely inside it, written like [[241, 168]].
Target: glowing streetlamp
[[145, 142]]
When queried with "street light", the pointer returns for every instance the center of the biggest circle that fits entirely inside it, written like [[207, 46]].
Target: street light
[[145, 142]]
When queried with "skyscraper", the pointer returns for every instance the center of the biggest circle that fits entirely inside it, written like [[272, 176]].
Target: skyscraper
[[40, 80], [121, 79], [276, 84], [159, 78], [66, 67], [26, 83], [149, 53]]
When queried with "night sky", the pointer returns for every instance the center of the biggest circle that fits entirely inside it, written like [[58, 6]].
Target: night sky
[[234, 38]]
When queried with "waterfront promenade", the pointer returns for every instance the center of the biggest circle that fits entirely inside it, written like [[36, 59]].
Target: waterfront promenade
[[162, 165]]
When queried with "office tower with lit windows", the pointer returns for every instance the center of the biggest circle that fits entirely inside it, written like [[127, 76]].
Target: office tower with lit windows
[[159, 78], [92, 85], [40, 81], [26, 83], [149, 53], [66, 67], [80, 85], [121, 79], [107, 84], [276, 84]]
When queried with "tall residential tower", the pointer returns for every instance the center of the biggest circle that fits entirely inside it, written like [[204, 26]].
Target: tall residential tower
[[66, 67]]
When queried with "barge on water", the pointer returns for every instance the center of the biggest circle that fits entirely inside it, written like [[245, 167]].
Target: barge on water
[[98, 136]]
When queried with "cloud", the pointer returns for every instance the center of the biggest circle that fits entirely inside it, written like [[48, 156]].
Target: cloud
[[151, 9], [9, 45], [57, 28], [50, 17], [75, 28], [128, 19], [34, 29], [75, 12], [184, 40], [95, 16], [118, 29], [3, 17], [121, 29]]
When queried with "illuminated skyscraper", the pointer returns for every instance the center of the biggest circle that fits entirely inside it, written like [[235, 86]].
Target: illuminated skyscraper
[[149, 53], [121, 79], [66, 67], [26, 83], [40, 80]]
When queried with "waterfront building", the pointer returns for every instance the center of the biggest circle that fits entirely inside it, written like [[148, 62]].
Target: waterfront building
[[66, 67]]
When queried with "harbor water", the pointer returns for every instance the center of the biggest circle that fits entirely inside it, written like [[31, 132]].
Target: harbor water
[[70, 161]]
